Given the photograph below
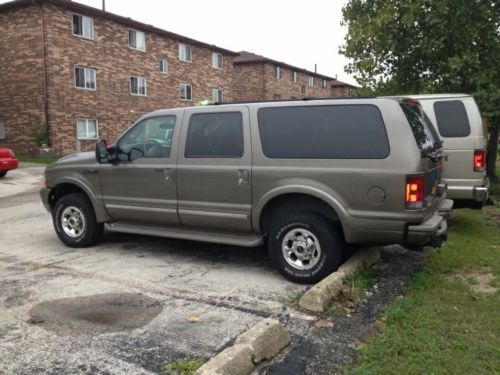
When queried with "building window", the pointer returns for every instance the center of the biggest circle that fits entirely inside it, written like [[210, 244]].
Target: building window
[[277, 72], [164, 66], [136, 40], [85, 78], [185, 52], [86, 129], [324, 84], [311, 81], [217, 96], [217, 60], [186, 91], [138, 86], [83, 26], [2, 129], [294, 76]]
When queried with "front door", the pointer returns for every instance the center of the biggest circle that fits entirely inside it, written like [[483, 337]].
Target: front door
[[141, 187], [214, 169]]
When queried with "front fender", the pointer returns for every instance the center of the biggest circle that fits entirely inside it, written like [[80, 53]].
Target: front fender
[[97, 204]]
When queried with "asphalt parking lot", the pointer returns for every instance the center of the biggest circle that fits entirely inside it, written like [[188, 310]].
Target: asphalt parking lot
[[134, 303]]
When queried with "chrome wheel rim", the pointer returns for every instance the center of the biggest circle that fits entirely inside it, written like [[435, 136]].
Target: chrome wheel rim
[[301, 249], [73, 221]]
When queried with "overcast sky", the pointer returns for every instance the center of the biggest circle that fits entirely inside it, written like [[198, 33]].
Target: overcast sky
[[300, 33]]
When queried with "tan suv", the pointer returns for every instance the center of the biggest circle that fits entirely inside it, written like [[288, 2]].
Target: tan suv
[[306, 177]]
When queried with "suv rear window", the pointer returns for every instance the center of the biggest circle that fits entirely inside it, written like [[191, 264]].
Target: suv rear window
[[215, 135], [323, 132], [452, 118], [422, 131]]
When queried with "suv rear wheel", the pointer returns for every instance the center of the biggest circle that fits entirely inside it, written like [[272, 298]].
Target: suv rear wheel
[[305, 247], [75, 222]]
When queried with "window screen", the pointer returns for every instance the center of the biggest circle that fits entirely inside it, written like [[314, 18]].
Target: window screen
[[215, 135], [452, 118], [323, 132]]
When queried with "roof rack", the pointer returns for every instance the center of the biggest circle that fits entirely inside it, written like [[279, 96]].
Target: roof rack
[[293, 100]]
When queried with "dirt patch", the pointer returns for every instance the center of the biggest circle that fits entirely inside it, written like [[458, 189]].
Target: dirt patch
[[92, 315], [479, 280]]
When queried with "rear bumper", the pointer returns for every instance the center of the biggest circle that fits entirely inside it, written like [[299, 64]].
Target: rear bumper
[[8, 164], [472, 190], [423, 233], [446, 208], [44, 195]]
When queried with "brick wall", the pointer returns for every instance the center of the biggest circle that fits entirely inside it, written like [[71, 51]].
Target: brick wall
[[21, 76], [111, 103], [255, 81]]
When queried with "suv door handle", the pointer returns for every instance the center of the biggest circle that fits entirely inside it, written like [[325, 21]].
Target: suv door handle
[[243, 176]]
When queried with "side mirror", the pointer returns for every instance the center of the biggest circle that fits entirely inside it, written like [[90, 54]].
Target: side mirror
[[101, 152]]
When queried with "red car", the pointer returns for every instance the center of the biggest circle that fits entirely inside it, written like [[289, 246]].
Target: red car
[[8, 161]]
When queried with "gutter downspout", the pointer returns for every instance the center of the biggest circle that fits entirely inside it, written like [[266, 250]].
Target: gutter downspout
[[45, 71]]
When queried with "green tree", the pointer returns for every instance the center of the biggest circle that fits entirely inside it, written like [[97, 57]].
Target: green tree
[[425, 46]]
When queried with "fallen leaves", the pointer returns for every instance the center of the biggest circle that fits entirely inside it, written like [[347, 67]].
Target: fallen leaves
[[193, 319], [322, 323]]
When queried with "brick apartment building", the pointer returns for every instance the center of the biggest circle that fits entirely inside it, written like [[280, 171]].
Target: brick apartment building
[[339, 88], [89, 73], [257, 77], [70, 74]]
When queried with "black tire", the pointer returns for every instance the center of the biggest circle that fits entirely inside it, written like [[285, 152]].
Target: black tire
[[326, 233], [78, 204], [3, 173]]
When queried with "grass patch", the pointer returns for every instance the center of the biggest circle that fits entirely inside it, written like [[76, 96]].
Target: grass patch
[[41, 159], [361, 279], [183, 367], [443, 325]]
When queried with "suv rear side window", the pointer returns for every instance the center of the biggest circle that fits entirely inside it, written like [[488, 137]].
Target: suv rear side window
[[423, 135], [215, 135], [452, 118], [323, 132]]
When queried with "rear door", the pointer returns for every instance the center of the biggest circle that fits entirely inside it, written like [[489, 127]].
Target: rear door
[[214, 169], [429, 146], [458, 126]]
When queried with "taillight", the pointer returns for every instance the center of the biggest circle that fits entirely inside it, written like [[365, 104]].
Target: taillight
[[414, 196], [479, 160]]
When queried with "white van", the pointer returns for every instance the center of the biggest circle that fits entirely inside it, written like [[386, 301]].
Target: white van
[[457, 119]]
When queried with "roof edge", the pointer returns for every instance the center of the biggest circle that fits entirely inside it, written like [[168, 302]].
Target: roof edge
[[71, 5]]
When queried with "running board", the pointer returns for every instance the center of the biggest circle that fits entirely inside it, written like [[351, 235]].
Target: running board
[[247, 240]]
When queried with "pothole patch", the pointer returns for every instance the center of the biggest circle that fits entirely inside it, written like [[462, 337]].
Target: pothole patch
[[96, 314]]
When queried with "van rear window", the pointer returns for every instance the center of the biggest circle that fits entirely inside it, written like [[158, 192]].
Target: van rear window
[[323, 132], [452, 118]]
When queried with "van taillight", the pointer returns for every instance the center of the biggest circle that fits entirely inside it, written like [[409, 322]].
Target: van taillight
[[479, 160], [414, 196]]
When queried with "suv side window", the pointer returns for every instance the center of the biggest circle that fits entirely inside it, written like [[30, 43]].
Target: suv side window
[[215, 135], [451, 117], [323, 132], [151, 138]]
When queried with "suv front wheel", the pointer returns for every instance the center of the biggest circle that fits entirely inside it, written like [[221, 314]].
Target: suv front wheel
[[305, 247], [75, 222]]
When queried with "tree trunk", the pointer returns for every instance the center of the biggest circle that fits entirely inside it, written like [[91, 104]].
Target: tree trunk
[[492, 147]]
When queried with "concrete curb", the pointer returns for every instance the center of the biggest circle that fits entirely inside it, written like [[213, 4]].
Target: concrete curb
[[317, 298], [262, 341]]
